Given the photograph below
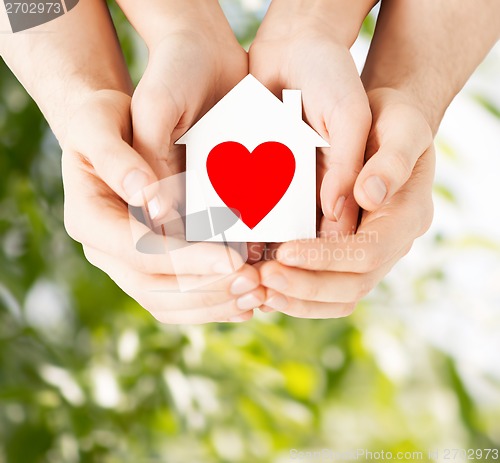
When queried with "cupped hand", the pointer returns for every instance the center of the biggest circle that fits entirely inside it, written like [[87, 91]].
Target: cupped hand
[[326, 277], [102, 173], [306, 56], [188, 72]]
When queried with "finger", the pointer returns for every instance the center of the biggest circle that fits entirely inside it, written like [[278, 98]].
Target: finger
[[266, 309], [96, 218], [207, 290], [360, 253], [347, 119], [402, 137], [335, 105], [221, 313], [347, 223], [317, 294], [321, 286], [165, 104], [244, 317], [346, 116], [100, 141], [308, 309], [348, 127], [380, 236], [154, 120]]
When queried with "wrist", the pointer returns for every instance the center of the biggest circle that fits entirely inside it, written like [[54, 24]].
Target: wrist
[[401, 95], [430, 102], [202, 19], [59, 107], [336, 19]]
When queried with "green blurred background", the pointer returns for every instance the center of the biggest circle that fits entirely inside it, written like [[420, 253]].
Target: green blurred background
[[86, 375]]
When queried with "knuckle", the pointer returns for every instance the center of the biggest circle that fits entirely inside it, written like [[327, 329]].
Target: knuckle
[[371, 262], [210, 298], [311, 292], [348, 309], [357, 105], [140, 262], [400, 166], [365, 287], [217, 314]]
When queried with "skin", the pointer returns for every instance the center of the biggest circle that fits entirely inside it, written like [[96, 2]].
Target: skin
[[198, 38], [61, 74], [99, 219], [410, 82], [301, 44], [306, 45], [326, 277], [102, 172]]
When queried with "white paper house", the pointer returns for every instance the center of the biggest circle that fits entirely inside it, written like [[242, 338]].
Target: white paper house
[[251, 115]]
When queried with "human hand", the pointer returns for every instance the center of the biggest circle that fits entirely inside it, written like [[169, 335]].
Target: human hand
[[301, 49], [192, 65], [326, 277], [102, 173]]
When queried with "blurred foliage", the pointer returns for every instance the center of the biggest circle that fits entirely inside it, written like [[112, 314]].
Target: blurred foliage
[[487, 104], [86, 375]]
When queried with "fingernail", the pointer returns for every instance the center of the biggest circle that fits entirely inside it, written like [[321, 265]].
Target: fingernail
[[134, 182], [375, 189], [223, 267], [154, 208], [248, 301], [238, 319], [275, 281], [242, 285], [339, 208], [277, 302]]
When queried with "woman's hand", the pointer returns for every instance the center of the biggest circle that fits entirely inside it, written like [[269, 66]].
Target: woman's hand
[[303, 47], [102, 173], [326, 277], [194, 61]]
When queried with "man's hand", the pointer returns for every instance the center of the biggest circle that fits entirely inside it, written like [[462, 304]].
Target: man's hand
[[326, 277], [102, 173]]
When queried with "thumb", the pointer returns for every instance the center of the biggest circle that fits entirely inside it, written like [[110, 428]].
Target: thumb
[[160, 112], [97, 133], [402, 141], [348, 129], [155, 115], [119, 166]]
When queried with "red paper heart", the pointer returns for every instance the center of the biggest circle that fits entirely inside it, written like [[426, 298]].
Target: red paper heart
[[252, 183]]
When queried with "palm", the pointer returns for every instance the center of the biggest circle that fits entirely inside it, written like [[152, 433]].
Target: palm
[[335, 105], [184, 79]]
